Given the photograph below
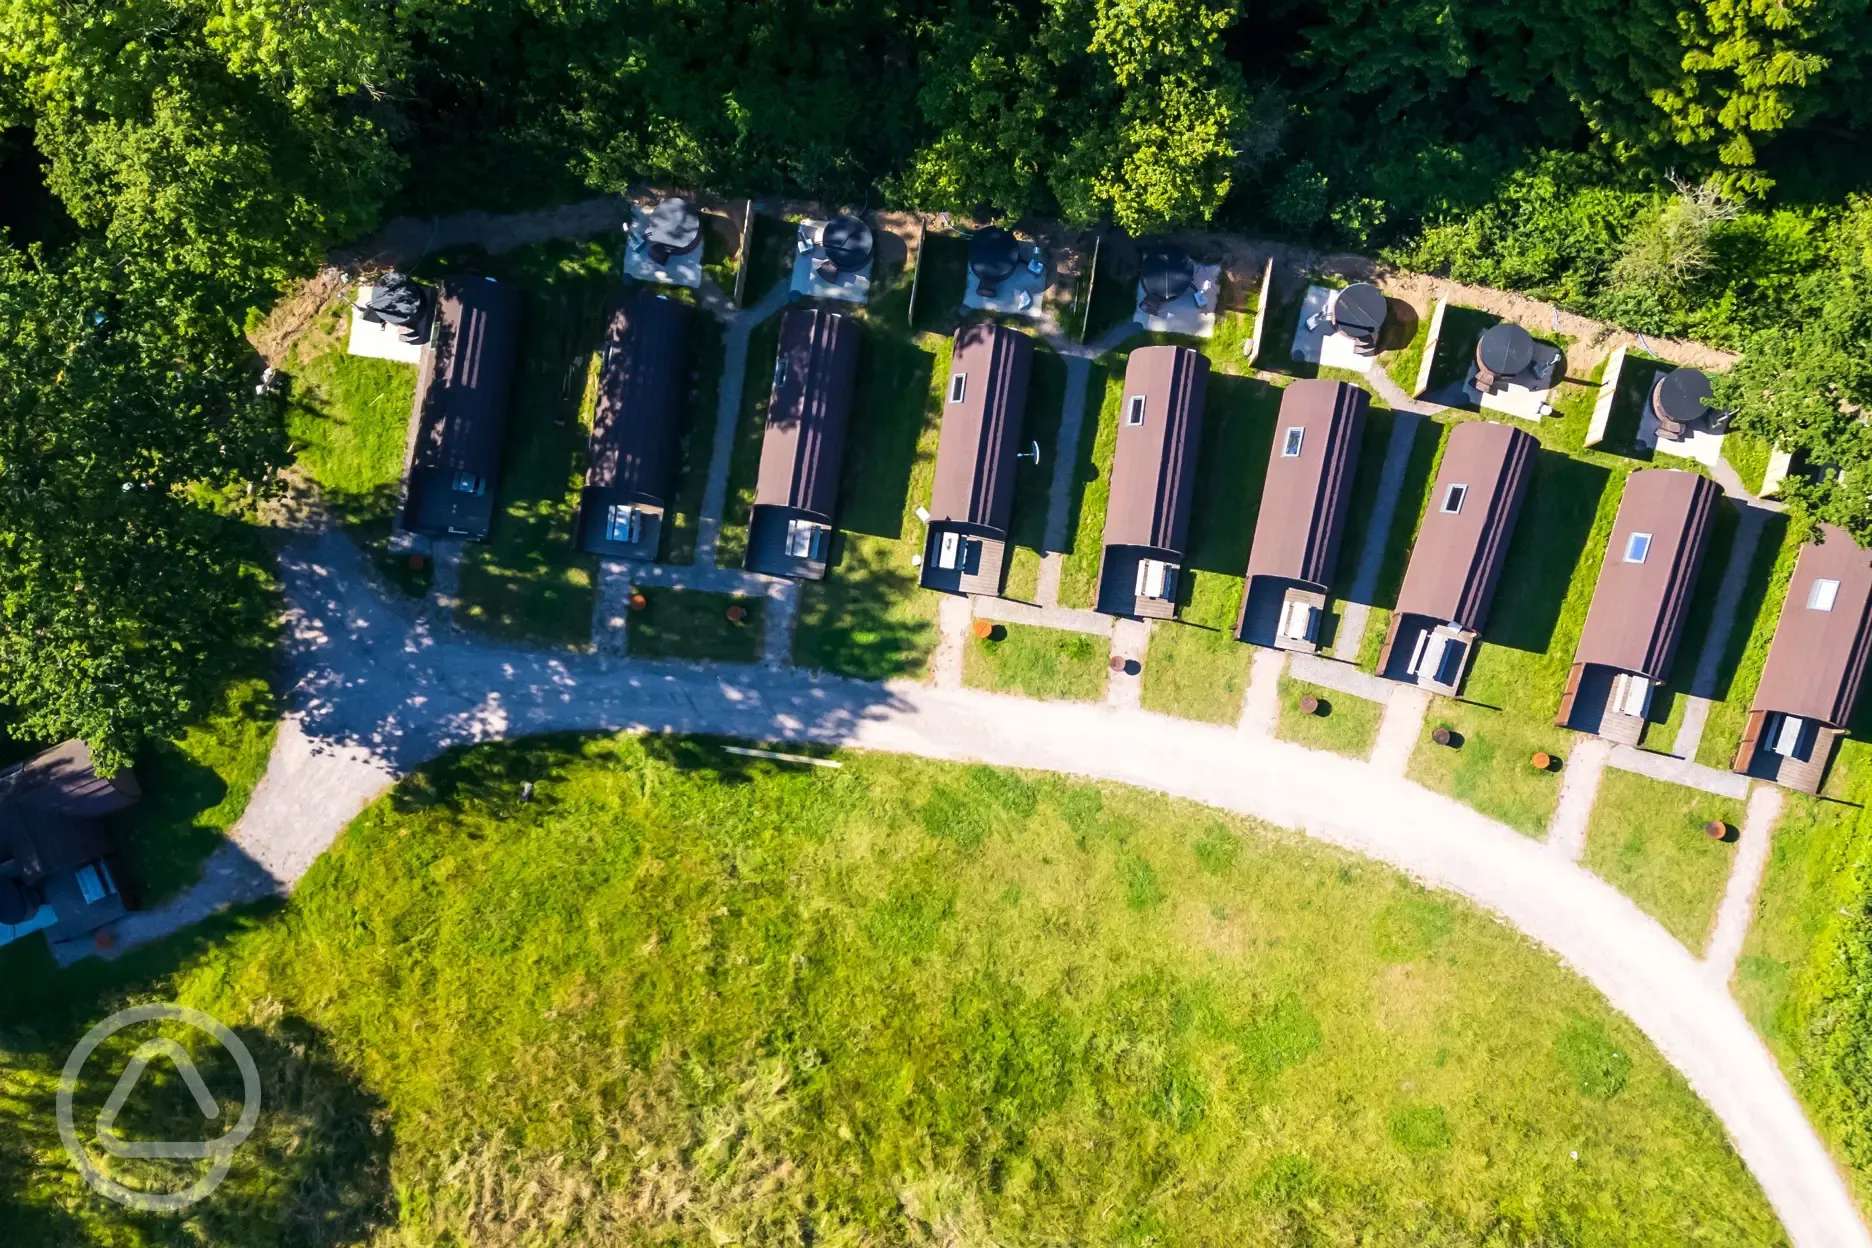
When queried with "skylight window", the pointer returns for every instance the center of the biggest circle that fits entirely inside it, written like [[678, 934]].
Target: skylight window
[[1453, 498], [1821, 597], [1134, 410], [1290, 445], [958, 386], [1637, 546]]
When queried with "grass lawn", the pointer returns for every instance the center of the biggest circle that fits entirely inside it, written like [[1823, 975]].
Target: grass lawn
[[1349, 727], [1800, 977], [869, 618], [1770, 573], [1419, 470], [1085, 509], [1033, 484], [1646, 838], [685, 997], [941, 282], [526, 582], [1196, 668], [1037, 663], [1456, 344], [1492, 771], [697, 437], [1749, 457], [348, 418], [1406, 362], [692, 624]]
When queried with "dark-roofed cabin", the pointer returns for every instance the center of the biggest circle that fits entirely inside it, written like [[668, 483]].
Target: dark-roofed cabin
[[633, 437], [1458, 558], [790, 532], [1819, 654], [1639, 604], [465, 378], [1303, 508], [1153, 475], [54, 840], [965, 548]]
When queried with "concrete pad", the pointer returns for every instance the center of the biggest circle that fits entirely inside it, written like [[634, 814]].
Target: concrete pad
[[1007, 297], [1745, 876], [1399, 730], [1515, 399], [1780, 463], [1072, 619], [43, 917], [1321, 345], [1183, 315], [1704, 448], [1332, 674], [1130, 640], [1579, 790], [850, 287], [1679, 771], [683, 270], [375, 341], [1261, 708]]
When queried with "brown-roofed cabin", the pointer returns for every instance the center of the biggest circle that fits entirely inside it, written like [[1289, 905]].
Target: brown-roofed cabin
[[633, 437], [790, 532], [1153, 475], [965, 548], [1303, 508], [460, 415], [54, 841], [1639, 604], [1819, 654], [1458, 558]]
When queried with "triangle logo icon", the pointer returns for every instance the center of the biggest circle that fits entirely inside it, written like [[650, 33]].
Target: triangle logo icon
[[115, 1144]]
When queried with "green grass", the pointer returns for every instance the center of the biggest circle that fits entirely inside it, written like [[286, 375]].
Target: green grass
[[1406, 362], [1749, 457], [869, 618], [1033, 484], [1456, 344], [1085, 513], [1770, 572], [1646, 839], [1196, 668], [683, 997], [526, 582], [1492, 769], [1349, 727], [1800, 977], [696, 439], [720, 241], [1037, 663], [348, 418], [1426, 450], [774, 247], [692, 624], [1114, 292]]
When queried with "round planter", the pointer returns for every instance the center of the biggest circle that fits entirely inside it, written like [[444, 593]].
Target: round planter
[[1117, 663], [737, 613], [1716, 830], [637, 602], [1543, 762], [1309, 705], [984, 629], [1442, 736]]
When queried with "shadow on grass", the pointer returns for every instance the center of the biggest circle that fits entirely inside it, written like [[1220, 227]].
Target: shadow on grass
[[1549, 541], [860, 621], [494, 779], [941, 282], [1033, 483], [893, 392], [315, 1171], [1238, 430]]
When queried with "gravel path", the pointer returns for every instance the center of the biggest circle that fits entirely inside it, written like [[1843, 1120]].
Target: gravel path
[[1738, 903], [376, 696]]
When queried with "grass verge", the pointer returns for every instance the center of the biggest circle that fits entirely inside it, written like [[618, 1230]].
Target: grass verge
[[1646, 839], [692, 624], [1037, 663], [1344, 724], [1492, 769]]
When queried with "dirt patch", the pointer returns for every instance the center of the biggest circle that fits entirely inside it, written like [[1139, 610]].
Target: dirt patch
[[294, 315]]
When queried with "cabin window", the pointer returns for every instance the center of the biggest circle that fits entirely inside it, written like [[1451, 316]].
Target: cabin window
[[1290, 445], [804, 539], [1637, 546], [958, 386], [468, 483], [1453, 498], [1156, 579], [1134, 410], [623, 523], [779, 371], [1822, 595]]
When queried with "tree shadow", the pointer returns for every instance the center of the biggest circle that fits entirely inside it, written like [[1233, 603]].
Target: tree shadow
[[494, 779], [1401, 322], [315, 1171], [1549, 543], [853, 621]]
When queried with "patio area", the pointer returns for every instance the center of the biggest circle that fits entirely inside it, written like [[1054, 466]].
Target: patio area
[[1192, 313], [1698, 444], [1006, 276], [1525, 370], [377, 340], [654, 234], [1315, 341], [817, 273]]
